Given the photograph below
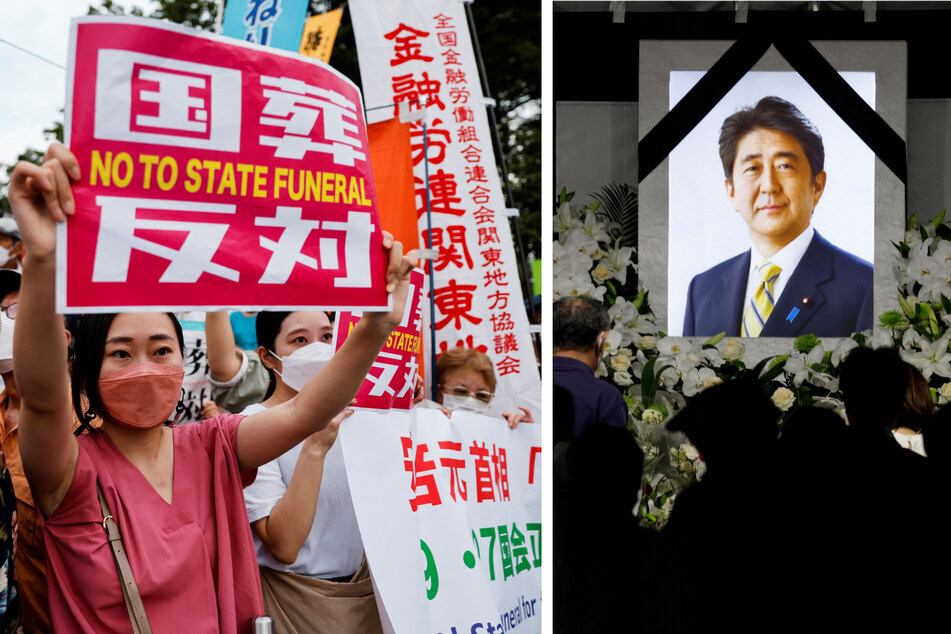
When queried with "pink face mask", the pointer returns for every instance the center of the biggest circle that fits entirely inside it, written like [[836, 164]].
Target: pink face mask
[[141, 395]]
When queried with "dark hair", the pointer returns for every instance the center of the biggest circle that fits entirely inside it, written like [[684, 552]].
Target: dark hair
[[89, 351], [577, 322], [267, 326], [918, 405], [873, 384], [771, 113]]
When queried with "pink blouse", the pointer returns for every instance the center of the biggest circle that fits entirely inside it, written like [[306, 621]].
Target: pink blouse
[[193, 560]]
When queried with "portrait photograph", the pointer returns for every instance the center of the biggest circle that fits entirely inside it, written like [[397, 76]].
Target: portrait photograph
[[720, 217]]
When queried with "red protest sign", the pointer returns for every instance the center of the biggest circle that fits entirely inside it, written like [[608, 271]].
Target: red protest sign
[[216, 174], [392, 379]]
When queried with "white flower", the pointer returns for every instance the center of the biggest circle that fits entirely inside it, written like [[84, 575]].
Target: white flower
[[579, 242], [944, 393], [700, 467], [733, 349], [618, 260], [623, 379], [570, 286], [934, 358], [565, 220], [690, 452], [622, 360], [647, 342], [612, 342], [652, 416], [881, 339], [696, 380], [842, 350], [783, 398], [601, 273], [594, 227]]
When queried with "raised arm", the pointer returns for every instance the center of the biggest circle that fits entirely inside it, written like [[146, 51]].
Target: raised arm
[[40, 198], [286, 528], [224, 359], [266, 435]]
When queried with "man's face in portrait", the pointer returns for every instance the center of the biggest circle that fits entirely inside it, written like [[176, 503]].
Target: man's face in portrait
[[773, 188]]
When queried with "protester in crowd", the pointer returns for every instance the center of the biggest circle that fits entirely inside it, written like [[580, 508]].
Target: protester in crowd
[[579, 330], [916, 410], [238, 377], [313, 571], [30, 553], [190, 552], [10, 244], [242, 324], [466, 381], [10, 601]]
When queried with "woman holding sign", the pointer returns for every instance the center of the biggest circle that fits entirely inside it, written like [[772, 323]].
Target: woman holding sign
[[174, 494], [313, 571]]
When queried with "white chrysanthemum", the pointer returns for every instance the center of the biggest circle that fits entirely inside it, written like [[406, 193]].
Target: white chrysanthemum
[[623, 379], [652, 416], [621, 362]]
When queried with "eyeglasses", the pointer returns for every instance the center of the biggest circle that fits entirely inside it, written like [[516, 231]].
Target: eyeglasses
[[10, 310], [462, 392]]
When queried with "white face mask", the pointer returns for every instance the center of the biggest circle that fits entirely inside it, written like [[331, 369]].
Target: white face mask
[[465, 403], [301, 365]]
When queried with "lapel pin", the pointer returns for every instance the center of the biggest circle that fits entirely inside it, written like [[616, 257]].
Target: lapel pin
[[792, 314], [807, 301]]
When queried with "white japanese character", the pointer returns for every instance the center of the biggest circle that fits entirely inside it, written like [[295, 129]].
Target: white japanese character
[[296, 106], [117, 239], [174, 101]]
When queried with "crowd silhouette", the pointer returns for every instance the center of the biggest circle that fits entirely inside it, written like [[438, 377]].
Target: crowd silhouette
[[829, 526]]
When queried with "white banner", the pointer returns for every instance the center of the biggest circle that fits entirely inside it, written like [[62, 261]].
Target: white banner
[[415, 53], [450, 515]]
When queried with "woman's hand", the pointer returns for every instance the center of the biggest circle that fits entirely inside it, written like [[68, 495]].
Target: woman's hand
[[397, 283], [40, 196], [514, 419], [319, 443]]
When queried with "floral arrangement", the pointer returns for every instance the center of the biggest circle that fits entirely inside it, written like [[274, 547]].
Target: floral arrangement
[[658, 375]]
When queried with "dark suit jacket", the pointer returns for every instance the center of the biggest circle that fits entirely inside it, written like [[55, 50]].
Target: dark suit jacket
[[838, 286]]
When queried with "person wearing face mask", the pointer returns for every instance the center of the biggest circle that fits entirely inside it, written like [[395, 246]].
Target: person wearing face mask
[[466, 381], [313, 572], [173, 492], [579, 329]]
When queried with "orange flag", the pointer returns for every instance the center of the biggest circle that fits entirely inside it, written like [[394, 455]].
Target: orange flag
[[392, 162]]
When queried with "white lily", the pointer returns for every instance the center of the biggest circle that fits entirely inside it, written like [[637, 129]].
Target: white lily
[[933, 358]]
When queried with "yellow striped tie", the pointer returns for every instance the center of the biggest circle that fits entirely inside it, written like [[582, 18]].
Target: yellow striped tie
[[761, 304]]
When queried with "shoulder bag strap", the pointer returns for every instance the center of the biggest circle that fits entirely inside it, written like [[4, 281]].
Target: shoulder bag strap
[[130, 591]]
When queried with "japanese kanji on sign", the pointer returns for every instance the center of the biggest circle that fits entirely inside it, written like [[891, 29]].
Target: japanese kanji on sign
[[450, 516], [392, 379], [215, 174], [418, 54]]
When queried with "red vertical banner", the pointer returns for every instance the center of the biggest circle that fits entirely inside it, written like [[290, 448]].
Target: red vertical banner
[[392, 379], [390, 155]]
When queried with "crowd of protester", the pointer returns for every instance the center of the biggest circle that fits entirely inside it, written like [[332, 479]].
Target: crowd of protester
[[90, 444]]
